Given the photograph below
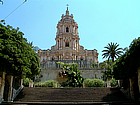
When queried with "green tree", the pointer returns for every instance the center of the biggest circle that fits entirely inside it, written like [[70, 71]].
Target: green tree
[[73, 74], [16, 54], [126, 66], [112, 51], [108, 69]]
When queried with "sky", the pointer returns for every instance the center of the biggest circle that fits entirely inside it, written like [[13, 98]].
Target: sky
[[100, 21]]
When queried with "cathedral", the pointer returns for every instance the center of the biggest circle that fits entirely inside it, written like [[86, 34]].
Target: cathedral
[[67, 48]]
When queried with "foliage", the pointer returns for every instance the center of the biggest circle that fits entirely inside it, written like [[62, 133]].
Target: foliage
[[49, 83], [126, 66], [16, 54], [26, 82], [94, 65], [74, 78], [103, 65], [112, 51], [108, 69], [93, 83], [113, 82]]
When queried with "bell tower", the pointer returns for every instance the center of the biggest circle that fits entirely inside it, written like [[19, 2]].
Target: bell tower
[[67, 37], [67, 47]]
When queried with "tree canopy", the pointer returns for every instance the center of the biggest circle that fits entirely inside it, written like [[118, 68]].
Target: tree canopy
[[17, 56], [126, 66]]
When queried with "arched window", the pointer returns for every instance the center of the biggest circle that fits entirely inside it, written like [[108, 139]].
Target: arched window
[[67, 44], [67, 29]]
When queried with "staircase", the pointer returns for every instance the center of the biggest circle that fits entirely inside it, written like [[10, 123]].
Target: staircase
[[44, 95]]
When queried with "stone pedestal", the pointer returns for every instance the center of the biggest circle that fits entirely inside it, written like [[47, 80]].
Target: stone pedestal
[[10, 88], [139, 78], [2, 84], [134, 88], [31, 83], [108, 83]]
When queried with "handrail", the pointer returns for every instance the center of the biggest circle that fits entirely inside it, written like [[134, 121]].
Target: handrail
[[1, 100], [16, 92]]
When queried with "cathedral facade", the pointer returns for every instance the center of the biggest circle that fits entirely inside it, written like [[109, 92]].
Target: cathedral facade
[[67, 48]]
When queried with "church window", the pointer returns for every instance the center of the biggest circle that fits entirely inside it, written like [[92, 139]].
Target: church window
[[67, 44], [67, 29]]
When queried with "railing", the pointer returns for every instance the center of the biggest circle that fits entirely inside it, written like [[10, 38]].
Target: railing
[[1, 100], [16, 92], [126, 92], [82, 64]]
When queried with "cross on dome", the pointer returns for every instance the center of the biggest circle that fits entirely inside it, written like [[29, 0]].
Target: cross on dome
[[67, 11], [67, 6]]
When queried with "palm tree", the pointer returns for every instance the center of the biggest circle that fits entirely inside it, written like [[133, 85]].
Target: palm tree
[[112, 51]]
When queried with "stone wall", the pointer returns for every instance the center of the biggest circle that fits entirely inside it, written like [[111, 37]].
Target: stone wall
[[53, 74]]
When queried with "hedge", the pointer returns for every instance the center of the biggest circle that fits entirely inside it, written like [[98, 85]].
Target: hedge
[[94, 83], [49, 83]]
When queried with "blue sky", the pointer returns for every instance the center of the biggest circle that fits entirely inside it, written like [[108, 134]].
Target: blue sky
[[100, 21]]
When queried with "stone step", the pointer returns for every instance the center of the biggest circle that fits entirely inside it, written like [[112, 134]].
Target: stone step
[[69, 103], [70, 96]]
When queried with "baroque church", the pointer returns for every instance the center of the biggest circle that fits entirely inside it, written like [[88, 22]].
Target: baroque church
[[67, 47], [68, 50]]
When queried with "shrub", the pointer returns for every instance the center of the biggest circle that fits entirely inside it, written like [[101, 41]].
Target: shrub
[[93, 83], [26, 82], [38, 84], [49, 83], [113, 82]]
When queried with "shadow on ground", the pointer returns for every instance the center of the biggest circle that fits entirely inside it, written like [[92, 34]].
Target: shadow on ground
[[117, 98]]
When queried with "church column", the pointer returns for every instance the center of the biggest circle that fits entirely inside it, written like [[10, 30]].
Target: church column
[[76, 30], [63, 30], [74, 44], [57, 44], [71, 29], [78, 45], [61, 43], [71, 44]]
